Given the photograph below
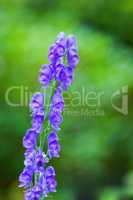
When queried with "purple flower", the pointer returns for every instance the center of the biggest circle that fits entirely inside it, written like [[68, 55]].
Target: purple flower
[[29, 158], [52, 137], [54, 149], [25, 177], [71, 42], [40, 160], [57, 101], [51, 183], [57, 50], [58, 68], [42, 183], [66, 77], [27, 195], [72, 51], [29, 140], [36, 106], [73, 58], [36, 192], [46, 75], [38, 119], [55, 119], [57, 106], [37, 101], [53, 145], [50, 171], [61, 39]]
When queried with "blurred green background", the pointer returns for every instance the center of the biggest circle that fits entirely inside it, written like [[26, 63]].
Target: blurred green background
[[96, 161]]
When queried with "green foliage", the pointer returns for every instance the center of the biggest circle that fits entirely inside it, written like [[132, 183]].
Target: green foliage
[[113, 16], [96, 146]]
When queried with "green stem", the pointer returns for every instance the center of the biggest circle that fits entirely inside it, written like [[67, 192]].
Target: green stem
[[35, 178], [46, 127]]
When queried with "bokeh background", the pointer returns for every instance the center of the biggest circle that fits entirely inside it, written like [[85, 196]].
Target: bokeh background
[[96, 161]]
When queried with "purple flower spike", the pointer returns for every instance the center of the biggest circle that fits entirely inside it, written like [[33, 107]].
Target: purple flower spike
[[38, 180]]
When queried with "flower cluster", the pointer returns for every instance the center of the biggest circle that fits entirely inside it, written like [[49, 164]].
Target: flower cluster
[[37, 177]]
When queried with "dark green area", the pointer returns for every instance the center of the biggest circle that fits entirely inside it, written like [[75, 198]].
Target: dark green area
[[96, 161]]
